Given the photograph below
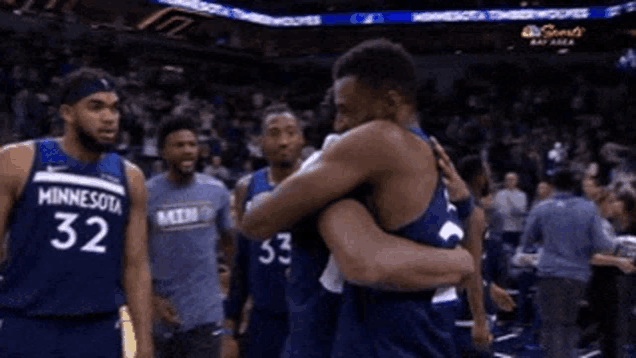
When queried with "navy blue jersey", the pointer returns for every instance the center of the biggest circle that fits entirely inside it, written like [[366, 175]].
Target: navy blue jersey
[[313, 310], [377, 323], [66, 236], [260, 266]]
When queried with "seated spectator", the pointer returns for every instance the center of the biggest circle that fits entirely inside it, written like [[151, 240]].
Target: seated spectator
[[217, 169]]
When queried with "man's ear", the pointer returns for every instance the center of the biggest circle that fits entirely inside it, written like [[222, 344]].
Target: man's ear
[[66, 113]]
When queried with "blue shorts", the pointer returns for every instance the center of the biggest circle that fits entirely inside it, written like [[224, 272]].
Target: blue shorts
[[398, 328], [266, 334], [97, 336]]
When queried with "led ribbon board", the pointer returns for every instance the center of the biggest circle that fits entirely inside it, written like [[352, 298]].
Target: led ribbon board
[[405, 17]]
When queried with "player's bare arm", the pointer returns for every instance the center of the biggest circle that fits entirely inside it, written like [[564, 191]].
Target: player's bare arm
[[15, 164], [370, 257], [362, 155], [227, 244], [458, 190], [137, 281], [474, 285], [240, 193]]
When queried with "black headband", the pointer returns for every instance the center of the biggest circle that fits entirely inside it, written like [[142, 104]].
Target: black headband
[[87, 88]]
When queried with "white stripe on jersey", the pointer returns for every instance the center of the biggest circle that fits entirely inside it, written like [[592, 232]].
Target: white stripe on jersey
[[445, 294], [76, 179]]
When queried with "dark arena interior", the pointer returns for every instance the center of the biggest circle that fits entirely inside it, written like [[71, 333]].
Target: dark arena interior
[[532, 88]]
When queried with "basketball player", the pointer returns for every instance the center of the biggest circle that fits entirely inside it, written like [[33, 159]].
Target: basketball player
[[73, 222], [187, 212], [259, 267], [472, 169], [391, 162], [316, 285]]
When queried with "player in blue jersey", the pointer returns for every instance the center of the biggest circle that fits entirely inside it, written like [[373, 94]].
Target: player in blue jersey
[[259, 268], [188, 217], [386, 158], [472, 335], [316, 285], [73, 222]]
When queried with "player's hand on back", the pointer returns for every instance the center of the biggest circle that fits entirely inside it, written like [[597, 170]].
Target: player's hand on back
[[164, 310], [457, 188]]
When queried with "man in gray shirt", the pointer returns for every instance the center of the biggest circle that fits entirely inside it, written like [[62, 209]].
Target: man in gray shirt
[[187, 212], [571, 232], [511, 203]]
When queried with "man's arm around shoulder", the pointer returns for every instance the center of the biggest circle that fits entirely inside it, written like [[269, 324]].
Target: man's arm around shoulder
[[369, 256], [361, 155]]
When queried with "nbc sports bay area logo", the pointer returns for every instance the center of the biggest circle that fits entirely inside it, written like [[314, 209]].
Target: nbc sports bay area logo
[[550, 35]]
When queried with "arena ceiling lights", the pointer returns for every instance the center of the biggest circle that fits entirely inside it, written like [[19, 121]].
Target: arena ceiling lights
[[405, 17]]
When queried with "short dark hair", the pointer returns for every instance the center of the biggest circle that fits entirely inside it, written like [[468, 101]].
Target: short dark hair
[[628, 197], [173, 124], [74, 80], [275, 109], [470, 167], [379, 64], [564, 179]]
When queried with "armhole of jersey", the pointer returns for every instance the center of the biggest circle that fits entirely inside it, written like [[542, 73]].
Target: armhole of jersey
[[124, 174], [37, 158]]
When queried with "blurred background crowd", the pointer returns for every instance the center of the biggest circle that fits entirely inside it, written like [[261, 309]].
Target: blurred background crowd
[[520, 118]]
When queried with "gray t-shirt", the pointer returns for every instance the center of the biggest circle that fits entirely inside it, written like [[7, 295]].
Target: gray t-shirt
[[184, 225], [571, 231]]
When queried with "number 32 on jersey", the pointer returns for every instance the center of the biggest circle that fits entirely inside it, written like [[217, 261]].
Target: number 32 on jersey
[[66, 229], [269, 254]]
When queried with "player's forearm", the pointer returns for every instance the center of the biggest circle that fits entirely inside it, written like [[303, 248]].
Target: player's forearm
[[413, 283], [238, 294], [475, 290], [606, 260], [138, 287], [474, 245], [414, 264], [279, 210], [228, 245], [403, 265], [369, 256]]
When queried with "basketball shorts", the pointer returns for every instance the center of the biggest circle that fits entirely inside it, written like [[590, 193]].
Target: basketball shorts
[[266, 334], [97, 336]]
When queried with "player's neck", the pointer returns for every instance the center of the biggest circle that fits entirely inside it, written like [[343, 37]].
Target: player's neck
[[409, 120], [73, 148], [277, 174]]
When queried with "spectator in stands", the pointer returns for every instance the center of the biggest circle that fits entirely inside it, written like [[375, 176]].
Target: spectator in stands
[[591, 190], [612, 288], [511, 203], [544, 191], [217, 169], [556, 156]]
